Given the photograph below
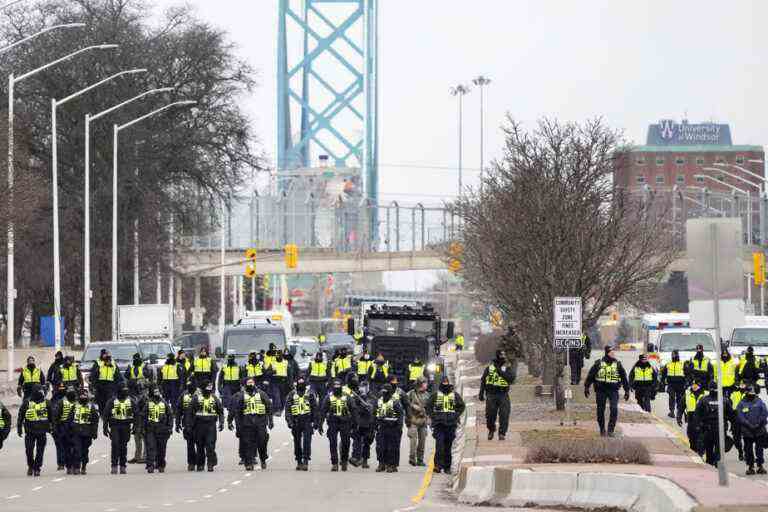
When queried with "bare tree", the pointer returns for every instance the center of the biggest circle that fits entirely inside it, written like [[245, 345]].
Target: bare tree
[[548, 222]]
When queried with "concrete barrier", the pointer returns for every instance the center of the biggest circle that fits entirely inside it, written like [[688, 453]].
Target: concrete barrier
[[540, 489], [478, 486]]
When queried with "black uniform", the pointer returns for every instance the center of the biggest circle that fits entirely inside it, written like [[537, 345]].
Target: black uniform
[[119, 418], [158, 426], [184, 425], [364, 429], [751, 369], [643, 380], [700, 369], [204, 413], [302, 416], [378, 375], [53, 370], [673, 377], [140, 397], [707, 419], [338, 410], [230, 377], [251, 412], [607, 375], [204, 370], [171, 377], [35, 418], [444, 408], [68, 374], [30, 378], [389, 422], [84, 425], [5, 424], [494, 387], [62, 434], [105, 378], [576, 358]]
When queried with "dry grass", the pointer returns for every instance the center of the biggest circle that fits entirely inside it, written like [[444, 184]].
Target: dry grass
[[588, 451], [536, 437]]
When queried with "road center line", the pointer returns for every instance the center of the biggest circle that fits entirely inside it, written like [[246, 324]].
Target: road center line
[[236, 482], [425, 482], [13, 496], [37, 488]]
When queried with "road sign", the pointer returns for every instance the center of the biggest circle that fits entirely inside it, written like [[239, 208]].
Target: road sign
[[564, 344], [567, 318]]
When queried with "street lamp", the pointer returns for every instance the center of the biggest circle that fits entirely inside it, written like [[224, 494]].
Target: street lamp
[[116, 133], [11, 290], [33, 36], [55, 150], [481, 82], [460, 91], [749, 198], [87, 211]]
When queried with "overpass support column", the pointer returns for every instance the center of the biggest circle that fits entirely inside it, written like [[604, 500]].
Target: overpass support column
[[197, 320]]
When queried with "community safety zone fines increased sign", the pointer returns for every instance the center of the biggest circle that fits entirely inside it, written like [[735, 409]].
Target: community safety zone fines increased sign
[[567, 324]]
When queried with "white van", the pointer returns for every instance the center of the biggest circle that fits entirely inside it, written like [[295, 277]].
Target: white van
[[682, 340], [753, 334]]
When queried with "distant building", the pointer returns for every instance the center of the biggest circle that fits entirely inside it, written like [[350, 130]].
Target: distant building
[[681, 154]]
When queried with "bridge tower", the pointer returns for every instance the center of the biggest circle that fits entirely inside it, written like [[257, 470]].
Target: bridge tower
[[327, 86]]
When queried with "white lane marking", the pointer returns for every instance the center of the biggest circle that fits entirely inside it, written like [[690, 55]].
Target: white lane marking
[[285, 443], [111, 510], [13, 496], [37, 488], [276, 451], [60, 479], [221, 491], [142, 507], [191, 501], [247, 474], [208, 496], [167, 504], [236, 482]]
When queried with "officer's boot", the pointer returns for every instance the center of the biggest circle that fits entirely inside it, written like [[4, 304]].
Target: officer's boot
[[123, 470], [761, 469], [750, 470], [299, 466], [200, 468], [343, 466], [150, 468], [83, 471], [381, 468], [75, 471], [490, 435], [69, 470], [334, 467], [161, 469], [210, 469], [30, 471], [190, 467], [365, 465], [114, 470]]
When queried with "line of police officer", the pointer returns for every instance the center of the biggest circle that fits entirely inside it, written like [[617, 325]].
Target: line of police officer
[[371, 406]]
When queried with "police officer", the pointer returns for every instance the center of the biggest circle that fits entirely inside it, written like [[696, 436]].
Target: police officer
[[643, 380], [607, 375], [389, 422], [171, 378], [5, 424], [342, 365], [365, 424], [494, 385], [576, 358], [205, 411], [84, 425], [459, 342], [363, 366], [185, 425], [57, 396], [251, 411], [158, 426], [751, 368], [379, 373], [229, 380], [105, 377], [119, 418], [707, 419], [30, 379], [736, 398], [302, 417], [445, 408], [699, 368], [338, 410], [53, 370], [728, 367], [204, 369], [279, 379], [254, 369], [140, 395], [752, 416], [293, 370], [692, 397], [185, 362], [69, 374], [416, 370], [673, 377], [416, 421], [35, 419], [62, 435], [137, 371], [318, 375]]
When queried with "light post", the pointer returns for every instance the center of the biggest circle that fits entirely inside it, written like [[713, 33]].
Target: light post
[[116, 132], [750, 239], [55, 154], [87, 293], [12, 81], [460, 91], [37, 34], [763, 195], [481, 82]]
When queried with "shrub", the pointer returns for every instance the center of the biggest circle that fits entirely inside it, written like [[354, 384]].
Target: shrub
[[577, 451], [486, 347]]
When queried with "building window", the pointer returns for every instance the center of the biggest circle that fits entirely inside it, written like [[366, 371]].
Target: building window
[[680, 179], [680, 160], [659, 179], [739, 159], [659, 160], [699, 179], [719, 160], [699, 161], [640, 160], [640, 179]]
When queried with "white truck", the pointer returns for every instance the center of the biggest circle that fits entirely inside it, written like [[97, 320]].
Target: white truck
[[144, 322], [754, 333], [280, 317]]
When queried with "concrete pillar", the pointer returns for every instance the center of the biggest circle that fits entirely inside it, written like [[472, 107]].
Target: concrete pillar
[[233, 295], [196, 317]]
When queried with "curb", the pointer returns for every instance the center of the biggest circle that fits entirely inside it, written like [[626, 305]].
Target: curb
[[588, 490]]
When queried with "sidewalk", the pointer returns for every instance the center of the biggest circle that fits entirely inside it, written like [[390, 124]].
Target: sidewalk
[[531, 417]]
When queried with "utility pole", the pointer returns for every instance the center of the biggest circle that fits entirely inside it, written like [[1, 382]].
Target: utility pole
[[481, 82], [459, 91]]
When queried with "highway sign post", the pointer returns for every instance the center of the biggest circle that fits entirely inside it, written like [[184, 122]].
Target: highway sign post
[[567, 333]]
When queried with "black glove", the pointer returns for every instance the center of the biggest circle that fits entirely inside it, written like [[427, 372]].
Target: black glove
[[20, 433], [271, 424], [626, 395], [481, 397], [94, 436], [230, 426], [178, 429], [106, 431], [221, 427], [586, 392]]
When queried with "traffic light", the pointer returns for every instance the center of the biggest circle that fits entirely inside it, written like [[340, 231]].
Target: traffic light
[[758, 261], [455, 250], [250, 271], [250, 254], [291, 255]]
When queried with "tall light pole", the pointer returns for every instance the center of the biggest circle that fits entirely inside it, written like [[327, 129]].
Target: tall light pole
[[87, 293], [116, 132], [460, 91], [481, 82], [11, 289]]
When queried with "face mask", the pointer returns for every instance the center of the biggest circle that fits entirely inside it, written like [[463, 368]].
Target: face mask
[[191, 389], [71, 396], [675, 358], [156, 397], [445, 388], [300, 388], [136, 361], [724, 357], [337, 391], [108, 362], [38, 396], [386, 395], [231, 362], [751, 395], [319, 359], [83, 400], [206, 393], [252, 359], [31, 366], [203, 354], [122, 394], [250, 388], [279, 357]]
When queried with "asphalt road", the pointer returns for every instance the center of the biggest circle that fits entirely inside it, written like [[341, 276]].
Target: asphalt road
[[660, 407], [229, 487]]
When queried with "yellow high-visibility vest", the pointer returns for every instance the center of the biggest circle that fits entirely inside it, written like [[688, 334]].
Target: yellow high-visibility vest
[[674, 369], [155, 411], [31, 376], [231, 373], [494, 378], [68, 374], [608, 373], [107, 373], [170, 372], [318, 369], [254, 404], [254, 370], [728, 369], [280, 368], [202, 365], [415, 372], [122, 409], [37, 411], [136, 375], [643, 374], [691, 400], [363, 367], [300, 405], [208, 407], [445, 403]]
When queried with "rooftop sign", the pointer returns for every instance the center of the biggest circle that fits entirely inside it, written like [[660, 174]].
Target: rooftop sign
[[671, 133]]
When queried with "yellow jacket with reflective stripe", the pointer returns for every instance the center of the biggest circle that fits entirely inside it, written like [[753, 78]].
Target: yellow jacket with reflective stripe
[[691, 400], [170, 372], [231, 373], [415, 372], [729, 369]]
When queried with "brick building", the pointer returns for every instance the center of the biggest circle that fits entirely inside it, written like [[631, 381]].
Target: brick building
[[681, 154]]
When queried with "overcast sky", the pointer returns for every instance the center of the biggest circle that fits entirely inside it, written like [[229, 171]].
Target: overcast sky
[[629, 62]]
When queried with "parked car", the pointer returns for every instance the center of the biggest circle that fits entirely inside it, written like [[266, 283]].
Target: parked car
[[153, 353], [303, 350], [193, 341]]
